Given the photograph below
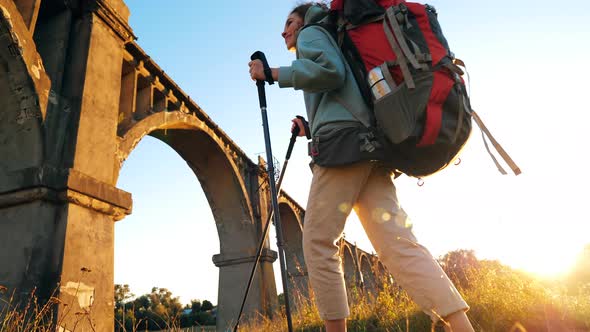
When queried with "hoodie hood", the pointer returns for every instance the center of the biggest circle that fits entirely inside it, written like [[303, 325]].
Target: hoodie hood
[[314, 14]]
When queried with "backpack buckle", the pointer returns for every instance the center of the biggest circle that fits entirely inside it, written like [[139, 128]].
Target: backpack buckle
[[369, 142]]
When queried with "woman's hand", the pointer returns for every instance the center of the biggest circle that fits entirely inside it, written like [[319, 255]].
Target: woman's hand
[[257, 71], [297, 123]]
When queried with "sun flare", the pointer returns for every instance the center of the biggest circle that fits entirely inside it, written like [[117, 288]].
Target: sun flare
[[545, 262]]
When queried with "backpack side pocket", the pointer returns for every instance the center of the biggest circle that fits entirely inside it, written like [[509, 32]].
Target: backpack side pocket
[[399, 113]]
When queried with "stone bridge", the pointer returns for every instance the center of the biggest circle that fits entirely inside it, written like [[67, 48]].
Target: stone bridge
[[77, 94]]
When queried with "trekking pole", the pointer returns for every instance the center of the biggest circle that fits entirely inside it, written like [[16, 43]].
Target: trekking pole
[[267, 224], [273, 195]]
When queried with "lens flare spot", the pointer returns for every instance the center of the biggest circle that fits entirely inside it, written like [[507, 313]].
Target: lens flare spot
[[386, 216], [402, 220], [381, 216], [344, 208]]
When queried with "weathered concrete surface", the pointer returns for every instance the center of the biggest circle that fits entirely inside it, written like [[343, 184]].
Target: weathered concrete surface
[[52, 37], [26, 241], [91, 84], [56, 216], [86, 276], [63, 185], [234, 272], [29, 10], [24, 90], [292, 224], [95, 81], [350, 269], [53, 224], [369, 277]]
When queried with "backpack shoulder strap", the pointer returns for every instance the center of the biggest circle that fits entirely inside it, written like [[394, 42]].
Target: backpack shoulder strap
[[352, 61]]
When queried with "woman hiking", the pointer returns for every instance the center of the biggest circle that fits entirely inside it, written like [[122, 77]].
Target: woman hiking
[[358, 181]]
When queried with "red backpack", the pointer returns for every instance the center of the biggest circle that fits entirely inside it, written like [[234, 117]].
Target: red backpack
[[407, 73]]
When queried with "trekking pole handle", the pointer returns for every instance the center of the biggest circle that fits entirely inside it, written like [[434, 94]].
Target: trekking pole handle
[[258, 55], [295, 133], [305, 126]]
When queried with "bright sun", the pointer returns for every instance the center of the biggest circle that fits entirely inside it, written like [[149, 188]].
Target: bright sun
[[550, 261]]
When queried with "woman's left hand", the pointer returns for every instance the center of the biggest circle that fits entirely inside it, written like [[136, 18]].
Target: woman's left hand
[[256, 70]]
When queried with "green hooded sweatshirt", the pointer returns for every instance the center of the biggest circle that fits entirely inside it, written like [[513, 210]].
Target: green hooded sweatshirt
[[332, 97]]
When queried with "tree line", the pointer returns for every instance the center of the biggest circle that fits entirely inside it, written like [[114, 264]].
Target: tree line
[[158, 310]]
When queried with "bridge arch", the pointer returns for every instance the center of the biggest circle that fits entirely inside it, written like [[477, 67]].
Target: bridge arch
[[214, 163], [369, 279], [227, 180], [382, 275], [349, 266]]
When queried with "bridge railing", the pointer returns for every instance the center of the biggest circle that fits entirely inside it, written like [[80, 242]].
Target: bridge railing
[[146, 89]]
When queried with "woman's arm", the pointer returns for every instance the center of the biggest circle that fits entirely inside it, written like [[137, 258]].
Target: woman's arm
[[319, 67]]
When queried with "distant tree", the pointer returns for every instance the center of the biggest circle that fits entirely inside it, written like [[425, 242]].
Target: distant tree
[[158, 310], [122, 294], [124, 316], [163, 303], [206, 306], [205, 318], [457, 265], [142, 302], [195, 306]]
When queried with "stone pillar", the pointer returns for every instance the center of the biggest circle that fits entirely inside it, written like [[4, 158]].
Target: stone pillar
[[234, 272], [299, 289], [56, 235], [57, 218], [92, 84]]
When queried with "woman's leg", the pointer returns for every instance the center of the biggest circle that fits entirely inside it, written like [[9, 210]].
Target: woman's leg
[[338, 325], [332, 195], [390, 231], [458, 322]]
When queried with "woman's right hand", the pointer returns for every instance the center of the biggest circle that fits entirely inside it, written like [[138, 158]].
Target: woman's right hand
[[257, 71]]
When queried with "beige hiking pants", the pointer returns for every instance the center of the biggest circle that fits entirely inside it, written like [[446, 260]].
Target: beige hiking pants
[[368, 189]]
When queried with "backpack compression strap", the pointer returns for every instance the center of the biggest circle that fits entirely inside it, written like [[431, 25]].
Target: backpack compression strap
[[401, 59], [484, 130], [497, 146], [391, 14]]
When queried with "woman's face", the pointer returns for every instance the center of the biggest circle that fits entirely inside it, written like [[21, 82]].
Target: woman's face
[[292, 26]]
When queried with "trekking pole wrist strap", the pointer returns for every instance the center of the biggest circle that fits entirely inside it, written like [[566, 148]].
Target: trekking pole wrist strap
[[268, 74], [305, 126]]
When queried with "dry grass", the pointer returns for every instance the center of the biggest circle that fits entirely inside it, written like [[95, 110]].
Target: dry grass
[[28, 316], [501, 300]]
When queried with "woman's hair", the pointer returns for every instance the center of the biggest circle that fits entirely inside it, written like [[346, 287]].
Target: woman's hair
[[301, 9]]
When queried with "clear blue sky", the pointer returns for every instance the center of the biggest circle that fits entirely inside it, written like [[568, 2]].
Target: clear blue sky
[[527, 62]]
